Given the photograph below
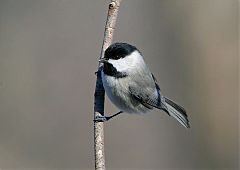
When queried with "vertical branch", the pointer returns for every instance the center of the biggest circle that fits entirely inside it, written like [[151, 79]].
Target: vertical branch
[[99, 90]]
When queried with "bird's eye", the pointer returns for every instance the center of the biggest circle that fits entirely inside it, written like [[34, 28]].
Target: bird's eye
[[117, 57]]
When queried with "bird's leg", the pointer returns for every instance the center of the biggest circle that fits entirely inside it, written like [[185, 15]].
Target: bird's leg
[[106, 118]]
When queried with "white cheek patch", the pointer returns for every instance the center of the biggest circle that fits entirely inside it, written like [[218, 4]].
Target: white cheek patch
[[121, 64], [127, 63]]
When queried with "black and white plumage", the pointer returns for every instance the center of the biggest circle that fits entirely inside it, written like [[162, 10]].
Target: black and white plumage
[[131, 86]]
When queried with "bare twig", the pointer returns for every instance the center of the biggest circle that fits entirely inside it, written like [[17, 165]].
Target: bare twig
[[99, 90]]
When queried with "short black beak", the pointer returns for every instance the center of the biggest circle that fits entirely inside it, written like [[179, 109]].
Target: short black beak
[[103, 60]]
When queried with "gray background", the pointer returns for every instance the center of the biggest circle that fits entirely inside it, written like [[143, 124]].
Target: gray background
[[48, 55]]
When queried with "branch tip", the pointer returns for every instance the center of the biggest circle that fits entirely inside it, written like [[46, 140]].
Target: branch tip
[[112, 5]]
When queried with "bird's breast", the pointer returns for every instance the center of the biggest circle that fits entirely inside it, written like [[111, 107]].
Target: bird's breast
[[117, 91]]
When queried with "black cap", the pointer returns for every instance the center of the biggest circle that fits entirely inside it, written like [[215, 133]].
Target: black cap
[[119, 50]]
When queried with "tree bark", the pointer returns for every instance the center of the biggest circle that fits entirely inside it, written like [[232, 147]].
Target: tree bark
[[99, 94]]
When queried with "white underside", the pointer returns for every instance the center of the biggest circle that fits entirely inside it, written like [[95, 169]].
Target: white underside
[[117, 91]]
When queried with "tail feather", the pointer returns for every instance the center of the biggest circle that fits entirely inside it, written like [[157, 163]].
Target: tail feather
[[177, 112]]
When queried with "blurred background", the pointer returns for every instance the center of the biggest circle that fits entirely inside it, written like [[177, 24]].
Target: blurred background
[[49, 52]]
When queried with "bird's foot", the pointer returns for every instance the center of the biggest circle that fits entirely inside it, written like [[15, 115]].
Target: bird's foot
[[96, 72], [101, 118]]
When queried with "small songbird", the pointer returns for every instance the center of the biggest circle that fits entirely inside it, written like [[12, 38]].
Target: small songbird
[[131, 86]]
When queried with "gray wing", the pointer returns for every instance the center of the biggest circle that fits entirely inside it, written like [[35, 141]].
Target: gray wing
[[147, 92]]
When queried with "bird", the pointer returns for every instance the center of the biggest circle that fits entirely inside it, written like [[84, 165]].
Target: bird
[[131, 87]]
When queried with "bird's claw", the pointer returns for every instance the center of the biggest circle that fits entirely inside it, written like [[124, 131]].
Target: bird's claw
[[96, 72], [101, 119]]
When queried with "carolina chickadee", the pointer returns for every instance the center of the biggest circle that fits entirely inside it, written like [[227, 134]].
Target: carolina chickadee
[[131, 86]]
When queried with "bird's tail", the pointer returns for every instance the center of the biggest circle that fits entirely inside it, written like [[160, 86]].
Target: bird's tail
[[177, 112]]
